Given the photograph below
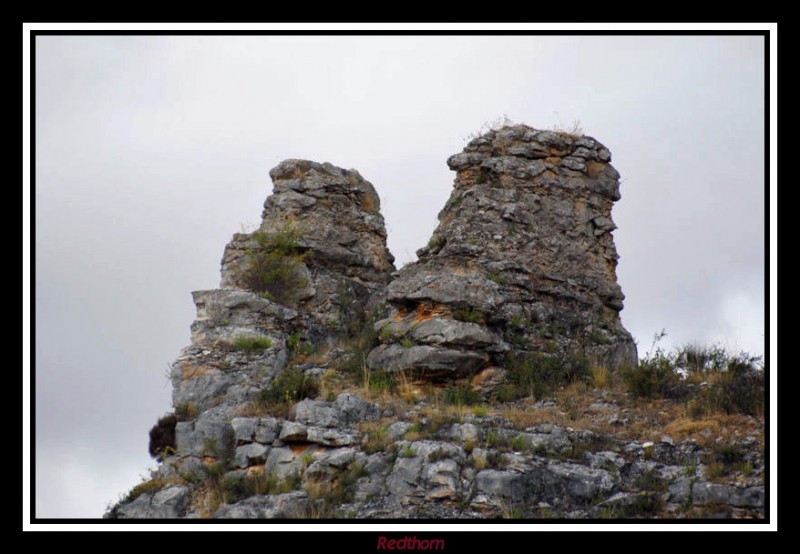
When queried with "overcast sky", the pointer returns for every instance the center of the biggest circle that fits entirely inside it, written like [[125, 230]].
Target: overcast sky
[[152, 151]]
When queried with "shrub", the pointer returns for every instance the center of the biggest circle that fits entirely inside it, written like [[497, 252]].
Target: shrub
[[460, 395], [436, 242], [732, 393], [468, 314], [530, 375], [162, 437], [186, 411], [250, 344], [291, 386], [273, 268], [652, 377], [376, 440], [519, 444], [381, 381], [359, 345]]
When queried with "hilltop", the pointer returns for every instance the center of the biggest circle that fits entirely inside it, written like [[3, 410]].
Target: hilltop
[[490, 378]]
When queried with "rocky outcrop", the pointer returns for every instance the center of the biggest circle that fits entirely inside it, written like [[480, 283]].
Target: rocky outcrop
[[523, 261], [276, 414], [333, 216], [329, 242]]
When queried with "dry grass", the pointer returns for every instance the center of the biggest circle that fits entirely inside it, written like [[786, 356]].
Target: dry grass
[[601, 377]]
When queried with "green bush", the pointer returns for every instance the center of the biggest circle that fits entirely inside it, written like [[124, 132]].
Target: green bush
[[298, 346], [250, 344], [381, 381], [654, 375], [273, 268], [733, 393]]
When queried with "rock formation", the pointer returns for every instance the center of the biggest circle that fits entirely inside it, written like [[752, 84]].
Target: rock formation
[[279, 412], [523, 260]]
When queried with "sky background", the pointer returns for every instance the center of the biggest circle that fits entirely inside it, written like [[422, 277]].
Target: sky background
[[152, 151]]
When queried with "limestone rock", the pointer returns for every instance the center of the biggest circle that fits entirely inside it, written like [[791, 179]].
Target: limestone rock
[[335, 214], [523, 260]]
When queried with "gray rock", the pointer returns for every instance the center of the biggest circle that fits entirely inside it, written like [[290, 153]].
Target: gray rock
[[710, 493], [167, 503], [355, 410], [404, 477], [428, 360], [464, 432], [294, 432], [338, 457], [576, 481], [206, 435], [680, 490], [501, 485], [258, 429], [523, 261], [290, 504], [312, 412], [396, 430], [331, 437], [251, 454], [283, 463], [610, 461], [442, 479]]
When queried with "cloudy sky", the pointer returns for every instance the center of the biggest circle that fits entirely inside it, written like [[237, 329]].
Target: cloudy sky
[[152, 151]]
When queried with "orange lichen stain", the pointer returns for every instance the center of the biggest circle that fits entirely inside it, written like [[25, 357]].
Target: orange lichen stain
[[552, 160], [298, 449], [595, 168], [400, 314], [208, 460], [426, 311], [190, 371]]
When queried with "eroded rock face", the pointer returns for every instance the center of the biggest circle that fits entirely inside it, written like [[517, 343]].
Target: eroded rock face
[[336, 217], [523, 260], [335, 222]]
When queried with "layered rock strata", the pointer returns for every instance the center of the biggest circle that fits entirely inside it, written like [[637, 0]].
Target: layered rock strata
[[523, 260]]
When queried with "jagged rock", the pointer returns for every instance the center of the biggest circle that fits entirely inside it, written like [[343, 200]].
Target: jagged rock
[[259, 429], [576, 481], [336, 216], [168, 503], [283, 463], [501, 486], [345, 411], [290, 504], [523, 257], [251, 454], [521, 264], [207, 436], [712, 493]]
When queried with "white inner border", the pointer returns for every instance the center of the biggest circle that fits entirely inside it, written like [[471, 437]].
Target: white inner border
[[476, 27]]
